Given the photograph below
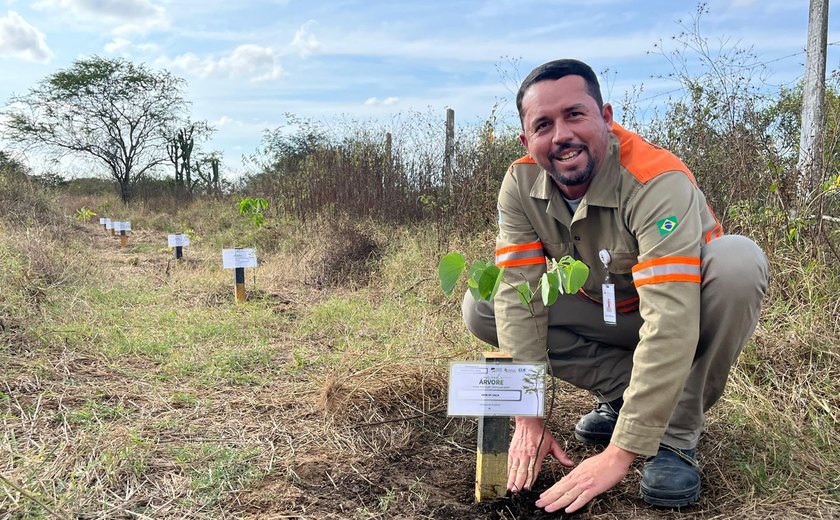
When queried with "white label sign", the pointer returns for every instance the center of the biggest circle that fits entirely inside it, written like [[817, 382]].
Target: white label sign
[[233, 258], [122, 226], [496, 389], [179, 240], [109, 224], [101, 220]]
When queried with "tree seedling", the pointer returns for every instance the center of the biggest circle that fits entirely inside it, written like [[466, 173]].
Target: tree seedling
[[566, 276], [84, 214], [254, 209]]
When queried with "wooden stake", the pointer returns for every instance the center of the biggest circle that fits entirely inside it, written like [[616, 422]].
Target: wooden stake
[[123, 239], [178, 252], [449, 150], [239, 288], [492, 450]]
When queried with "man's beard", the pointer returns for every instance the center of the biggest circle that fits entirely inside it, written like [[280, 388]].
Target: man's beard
[[579, 176]]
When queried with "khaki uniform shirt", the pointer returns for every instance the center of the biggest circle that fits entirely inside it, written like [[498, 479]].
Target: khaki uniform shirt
[[644, 207]]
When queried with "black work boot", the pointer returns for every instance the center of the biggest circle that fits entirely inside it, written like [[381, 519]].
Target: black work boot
[[596, 427], [671, 478]]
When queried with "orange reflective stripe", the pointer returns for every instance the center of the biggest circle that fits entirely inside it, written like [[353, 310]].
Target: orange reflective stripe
[[669, 278], [667, 260], [667, 269], [520, 254], [519, 247], [521, 261], [716, 231]]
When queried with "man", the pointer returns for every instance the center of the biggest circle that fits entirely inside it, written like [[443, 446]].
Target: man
[[688, 297]]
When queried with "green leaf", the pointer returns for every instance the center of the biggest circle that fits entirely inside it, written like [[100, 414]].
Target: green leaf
[[578, 273], [525, 293], [449, 270], [500, 276], [550, 288], [473, 276], [562, 274], [489, 281]]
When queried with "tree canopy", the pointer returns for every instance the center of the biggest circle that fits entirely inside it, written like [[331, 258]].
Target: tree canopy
[[110, 110]]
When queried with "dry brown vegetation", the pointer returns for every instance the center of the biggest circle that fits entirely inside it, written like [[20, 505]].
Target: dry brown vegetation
[[134, 387]]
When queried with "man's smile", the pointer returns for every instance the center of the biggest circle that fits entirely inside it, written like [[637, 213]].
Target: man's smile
[[566, 153]]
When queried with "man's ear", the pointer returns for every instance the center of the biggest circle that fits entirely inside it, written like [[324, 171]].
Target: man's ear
[[607, 115], [524, 141]]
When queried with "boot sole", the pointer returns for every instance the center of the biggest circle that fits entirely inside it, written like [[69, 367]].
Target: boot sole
[[675, 499], [591, 438]]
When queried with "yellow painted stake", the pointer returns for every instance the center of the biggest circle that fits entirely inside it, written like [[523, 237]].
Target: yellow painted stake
[[239, 287], [492, 450]]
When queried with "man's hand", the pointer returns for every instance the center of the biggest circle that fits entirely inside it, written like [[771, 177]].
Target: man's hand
[[524, 462], [591, 478]]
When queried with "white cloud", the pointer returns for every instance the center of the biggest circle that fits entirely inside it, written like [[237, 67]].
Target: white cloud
[[126, 47], [246, 61], [20, 39], [477, 49], [375, 101], [124, 17], [222, 121], [304, 42]]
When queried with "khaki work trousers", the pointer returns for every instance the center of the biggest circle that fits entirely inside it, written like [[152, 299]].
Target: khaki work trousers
[[599, 358]]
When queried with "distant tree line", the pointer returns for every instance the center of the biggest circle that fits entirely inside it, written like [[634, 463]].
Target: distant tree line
[[122, 115], [363, 170], [740, 141]]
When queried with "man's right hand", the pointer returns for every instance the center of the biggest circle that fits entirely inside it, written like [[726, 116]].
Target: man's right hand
[[524, 463]]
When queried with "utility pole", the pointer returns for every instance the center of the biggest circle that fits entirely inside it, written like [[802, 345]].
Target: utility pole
[[449, 150], [813, 100]]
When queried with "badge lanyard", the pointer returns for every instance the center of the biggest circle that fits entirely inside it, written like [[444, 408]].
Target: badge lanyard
[[607, 291]]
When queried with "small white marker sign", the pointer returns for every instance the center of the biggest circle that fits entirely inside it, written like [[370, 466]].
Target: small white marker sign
[[496, 389], [122, 225], [101, 220], [109, 224], [233, 258], [179, 240]]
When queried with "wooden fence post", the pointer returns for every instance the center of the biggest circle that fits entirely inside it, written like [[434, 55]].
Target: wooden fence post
[[449, 150], [492, 450], [239, 288]]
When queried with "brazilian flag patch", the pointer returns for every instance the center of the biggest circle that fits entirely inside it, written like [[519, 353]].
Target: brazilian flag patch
[[667, 225]]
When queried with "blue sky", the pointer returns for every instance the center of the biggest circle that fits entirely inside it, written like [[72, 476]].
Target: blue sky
[[248, 62]]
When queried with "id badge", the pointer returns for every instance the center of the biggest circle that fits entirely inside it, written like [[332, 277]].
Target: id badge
[[608, 299]]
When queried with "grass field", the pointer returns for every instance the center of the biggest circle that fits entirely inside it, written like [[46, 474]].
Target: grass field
[[133, 386]]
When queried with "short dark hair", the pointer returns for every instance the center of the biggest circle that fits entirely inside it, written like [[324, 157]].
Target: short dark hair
[[557, 69]]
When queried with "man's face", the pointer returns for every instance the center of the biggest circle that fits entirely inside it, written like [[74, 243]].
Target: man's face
[[565, 132]]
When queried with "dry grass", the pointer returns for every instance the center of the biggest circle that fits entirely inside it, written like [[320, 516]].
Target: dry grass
[[133, 387]]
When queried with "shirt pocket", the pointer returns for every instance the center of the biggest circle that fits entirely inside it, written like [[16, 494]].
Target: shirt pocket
[[621, 268], [557, 250], [622, 262]]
